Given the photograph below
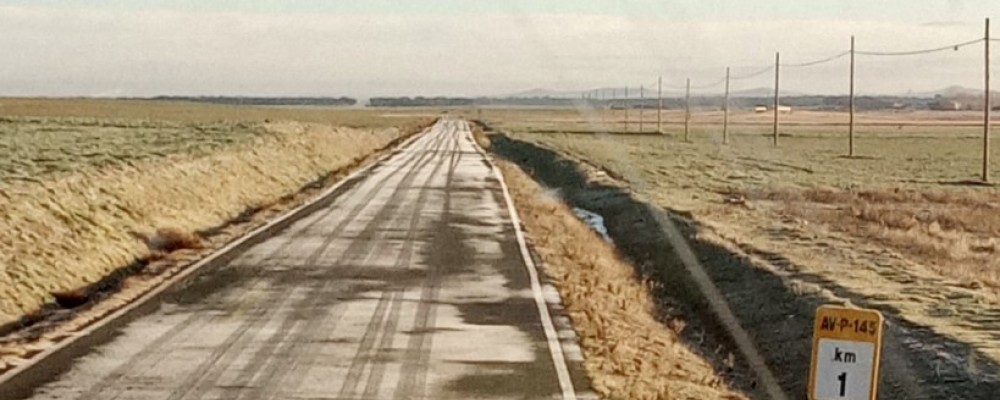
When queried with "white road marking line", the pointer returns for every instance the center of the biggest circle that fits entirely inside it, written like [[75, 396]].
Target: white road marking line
[[555, 347]]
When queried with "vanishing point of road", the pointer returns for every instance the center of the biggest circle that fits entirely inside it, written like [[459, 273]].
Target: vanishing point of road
[[410, 284]]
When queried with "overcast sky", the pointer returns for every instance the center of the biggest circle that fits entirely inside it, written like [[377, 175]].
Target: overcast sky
[[474, 47]]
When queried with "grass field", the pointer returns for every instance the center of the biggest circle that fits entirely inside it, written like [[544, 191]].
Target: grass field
[[110, 110], [40, 137], [35, 148], [904, 224]]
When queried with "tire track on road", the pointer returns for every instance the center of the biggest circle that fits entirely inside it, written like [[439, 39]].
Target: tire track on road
[[270, 383], [361, 357], [432, 280], [266, 352], [178, 331], [417, 357]]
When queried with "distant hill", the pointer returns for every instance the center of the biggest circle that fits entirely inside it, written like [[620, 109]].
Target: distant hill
[[950, 91]]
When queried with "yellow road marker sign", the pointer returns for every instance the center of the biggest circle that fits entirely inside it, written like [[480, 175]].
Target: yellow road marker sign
[[847, 347]]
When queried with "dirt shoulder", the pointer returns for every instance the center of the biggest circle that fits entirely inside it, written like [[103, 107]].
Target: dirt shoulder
[[773, 290]]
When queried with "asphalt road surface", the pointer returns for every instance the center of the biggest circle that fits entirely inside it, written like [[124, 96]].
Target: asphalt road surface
[[409, 285]]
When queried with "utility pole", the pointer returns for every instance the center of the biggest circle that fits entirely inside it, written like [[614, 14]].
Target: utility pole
[[599, 95], [687, 110], [777, 66], [642, 97], [850, 126], [986, 109], [611, 108], [659, 106], [725, 112], [625, 107]]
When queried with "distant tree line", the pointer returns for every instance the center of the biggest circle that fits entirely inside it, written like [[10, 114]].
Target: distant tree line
[[419, 101], [468, 101], [264, 101], [863, 103], [813, 102]]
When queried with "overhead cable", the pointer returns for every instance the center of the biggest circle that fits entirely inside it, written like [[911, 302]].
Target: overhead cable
[[752, 75], [817, 62], [955, 46]]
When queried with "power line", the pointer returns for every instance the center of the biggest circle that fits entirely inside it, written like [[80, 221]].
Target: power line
[[706, 86], [817, 62], [955, 46], [834, 57], [755, 74]]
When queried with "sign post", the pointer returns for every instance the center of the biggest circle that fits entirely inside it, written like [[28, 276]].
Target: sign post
[[847, 346]]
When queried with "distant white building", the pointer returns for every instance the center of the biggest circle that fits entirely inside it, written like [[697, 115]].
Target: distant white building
[[764, 109]]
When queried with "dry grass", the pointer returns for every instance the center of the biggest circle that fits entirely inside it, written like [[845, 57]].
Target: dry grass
[[956, 233], [63, 230], [629, 354], [35, 149]]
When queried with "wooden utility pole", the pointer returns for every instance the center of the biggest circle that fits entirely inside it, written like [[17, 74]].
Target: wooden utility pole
[[642, 97], [625, 107], [850, 125], [659, 105], [599, 94], [611, 108], [986, 109], [725, 112], [777, 67], [687, 110]]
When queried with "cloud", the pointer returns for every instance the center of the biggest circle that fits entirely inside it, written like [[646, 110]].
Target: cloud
[[50, 51]]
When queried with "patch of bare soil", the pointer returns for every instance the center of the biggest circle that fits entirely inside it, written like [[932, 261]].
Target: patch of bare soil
[[774, 294]]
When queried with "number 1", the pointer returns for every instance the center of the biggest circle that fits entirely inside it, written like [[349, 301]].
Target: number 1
[[843, 383]]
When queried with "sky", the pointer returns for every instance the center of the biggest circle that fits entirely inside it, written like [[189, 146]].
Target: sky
[[477, 47]]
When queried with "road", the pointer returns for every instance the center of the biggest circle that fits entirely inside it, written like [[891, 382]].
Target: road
[[411, 284]]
